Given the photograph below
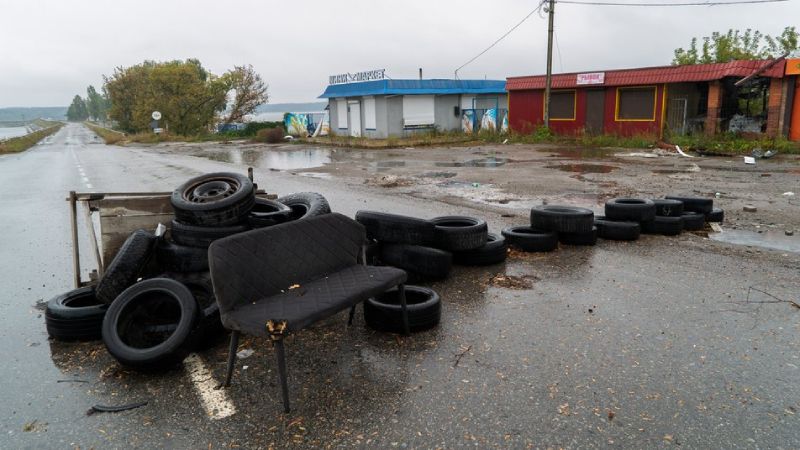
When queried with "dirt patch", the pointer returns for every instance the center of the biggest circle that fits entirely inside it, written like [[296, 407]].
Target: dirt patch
[[388, 181], [511, 282]]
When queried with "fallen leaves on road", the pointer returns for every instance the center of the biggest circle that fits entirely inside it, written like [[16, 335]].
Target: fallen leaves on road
[[388, 181], [511, 281], [564, 409]]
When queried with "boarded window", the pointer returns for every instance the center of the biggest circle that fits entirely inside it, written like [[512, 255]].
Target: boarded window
[[418, 110], [341, 114], [562, 105], [370, 119], [636, 103]]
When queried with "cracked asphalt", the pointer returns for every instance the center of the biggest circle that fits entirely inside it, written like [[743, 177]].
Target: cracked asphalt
[[650, 344]]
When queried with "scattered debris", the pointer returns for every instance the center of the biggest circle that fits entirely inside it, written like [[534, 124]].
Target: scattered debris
[[788, 194], [461, 354], [680, 152], [611, 415], [749, 208], [716, 227], [104, 408], [749, 160], [34, 425], [564, 409], [244, 354], [71, 381], [789, 232], [388, 181], [511, 282]]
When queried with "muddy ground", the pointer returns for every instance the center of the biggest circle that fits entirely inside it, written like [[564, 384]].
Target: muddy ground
[[662, 342]]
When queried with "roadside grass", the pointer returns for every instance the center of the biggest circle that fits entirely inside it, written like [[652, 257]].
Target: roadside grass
[[734, 144], [110, 136], [22, 143]]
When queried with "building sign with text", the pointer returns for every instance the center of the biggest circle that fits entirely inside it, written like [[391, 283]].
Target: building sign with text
[[378, 74], [591, 78]]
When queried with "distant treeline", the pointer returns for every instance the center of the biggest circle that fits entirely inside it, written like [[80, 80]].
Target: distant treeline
[[26, 114]]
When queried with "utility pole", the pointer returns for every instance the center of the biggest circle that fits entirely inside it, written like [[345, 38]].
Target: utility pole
[[550, 12]]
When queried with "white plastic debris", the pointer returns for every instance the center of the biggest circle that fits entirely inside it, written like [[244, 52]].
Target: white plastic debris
[[788, 194], [160, 230], [246, 353], [680, 152], [749, 160]]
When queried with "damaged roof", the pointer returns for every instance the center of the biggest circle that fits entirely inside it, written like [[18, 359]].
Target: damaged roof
[[654, 75]]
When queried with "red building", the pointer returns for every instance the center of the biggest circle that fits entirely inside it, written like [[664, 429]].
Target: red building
[[680, 99]]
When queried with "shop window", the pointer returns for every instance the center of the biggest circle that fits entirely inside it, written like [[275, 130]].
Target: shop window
[[636, 104], [562, 105], [418, 110]]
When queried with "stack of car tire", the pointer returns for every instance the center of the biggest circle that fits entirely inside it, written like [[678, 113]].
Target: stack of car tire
[[155, 301], [426, 250], [551, 224], [668, 216]]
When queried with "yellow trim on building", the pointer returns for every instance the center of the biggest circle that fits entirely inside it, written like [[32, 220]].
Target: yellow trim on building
[[574, 104], [663, 110], [655, 104]]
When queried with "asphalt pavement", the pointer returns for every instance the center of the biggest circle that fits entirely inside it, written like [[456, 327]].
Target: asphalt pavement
[[650, 344]]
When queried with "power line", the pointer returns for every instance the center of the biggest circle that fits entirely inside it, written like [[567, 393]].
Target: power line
[[737, 2], [501, 37]]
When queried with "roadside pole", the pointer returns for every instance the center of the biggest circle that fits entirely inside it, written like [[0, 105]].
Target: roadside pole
[[550, 12]]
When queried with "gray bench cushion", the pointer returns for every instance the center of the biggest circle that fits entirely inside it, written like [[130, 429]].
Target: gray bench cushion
[[306, 304]]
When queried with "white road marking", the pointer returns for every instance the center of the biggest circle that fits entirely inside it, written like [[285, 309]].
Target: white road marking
[[215, 401]]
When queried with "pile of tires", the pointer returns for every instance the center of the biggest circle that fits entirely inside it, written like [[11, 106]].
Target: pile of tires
[[669, 216], [427, 248], [551, 225], [155, 300]]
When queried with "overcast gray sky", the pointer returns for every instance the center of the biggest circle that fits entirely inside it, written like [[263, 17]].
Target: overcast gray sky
[[52, 49]]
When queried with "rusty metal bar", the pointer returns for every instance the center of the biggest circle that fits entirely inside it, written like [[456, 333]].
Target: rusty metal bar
[[76, 259], [761, 70]]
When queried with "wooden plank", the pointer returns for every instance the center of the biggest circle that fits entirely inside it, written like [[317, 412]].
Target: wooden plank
[[132, 206], [116, 229]]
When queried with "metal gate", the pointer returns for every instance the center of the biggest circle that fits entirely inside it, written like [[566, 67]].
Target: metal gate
[[676, 115]]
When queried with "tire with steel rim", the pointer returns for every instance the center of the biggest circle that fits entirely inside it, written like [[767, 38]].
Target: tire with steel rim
[[214, 199]]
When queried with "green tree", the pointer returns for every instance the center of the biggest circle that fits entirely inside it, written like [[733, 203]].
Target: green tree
[[248, 92], [96, 104], [77, 110], [736, 45], [188, 96]]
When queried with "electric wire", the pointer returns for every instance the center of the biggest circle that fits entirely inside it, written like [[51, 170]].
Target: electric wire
[[541, 3], [737, 2]]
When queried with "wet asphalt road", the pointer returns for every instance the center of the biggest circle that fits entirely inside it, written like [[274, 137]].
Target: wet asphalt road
[[637, 345]]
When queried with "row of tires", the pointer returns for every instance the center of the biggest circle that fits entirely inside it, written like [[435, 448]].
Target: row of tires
[[625, 219]]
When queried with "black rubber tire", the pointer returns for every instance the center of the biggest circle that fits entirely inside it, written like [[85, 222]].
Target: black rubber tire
[[589, 238], [424, 307], [459, 233], [426, 262], [716, 215], [630, 209], [202, 237], [613, 230], [266, 213], [494, 251], [529, 239], [209, 327], [149, 303], [700, 205], [126, 267], [76, 315], [214, 199], [693, 221], [562, 219], [664, 225], [397, 229], [171, 257], [668, 207], [305, 205]]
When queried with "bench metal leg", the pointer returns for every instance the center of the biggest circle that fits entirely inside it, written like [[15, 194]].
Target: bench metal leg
[[352, 314], [281, 354], [232, 357], [401, 292]]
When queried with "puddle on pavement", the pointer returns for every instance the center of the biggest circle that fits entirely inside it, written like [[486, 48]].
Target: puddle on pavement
[[273, 159], [584, 168], [481, 162], [578, 153], [773, 239]]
